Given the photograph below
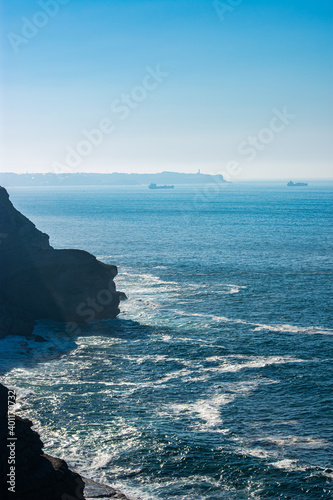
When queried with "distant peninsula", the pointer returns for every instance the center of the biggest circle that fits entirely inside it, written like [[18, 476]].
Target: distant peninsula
[[9, 179]]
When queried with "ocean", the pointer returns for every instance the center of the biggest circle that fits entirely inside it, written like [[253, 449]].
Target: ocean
[[215, 381]]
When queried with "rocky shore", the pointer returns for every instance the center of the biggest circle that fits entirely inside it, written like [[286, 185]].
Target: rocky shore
[[39, 282], [27, 473]]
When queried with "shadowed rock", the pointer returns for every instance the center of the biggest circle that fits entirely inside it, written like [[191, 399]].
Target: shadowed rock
[[39, 476], [93, 490], [39, 282]]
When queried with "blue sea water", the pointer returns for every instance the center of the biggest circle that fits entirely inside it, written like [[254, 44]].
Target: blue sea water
[[215, 381]]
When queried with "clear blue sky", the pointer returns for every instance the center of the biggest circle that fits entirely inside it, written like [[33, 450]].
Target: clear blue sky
[[227, 73]]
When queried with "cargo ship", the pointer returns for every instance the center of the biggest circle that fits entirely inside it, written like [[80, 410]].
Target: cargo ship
[[155, 186], [296, 184]]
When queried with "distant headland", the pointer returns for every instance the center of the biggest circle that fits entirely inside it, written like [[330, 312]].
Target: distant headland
[[8, 179]]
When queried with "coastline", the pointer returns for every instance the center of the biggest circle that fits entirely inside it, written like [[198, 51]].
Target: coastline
[[28, 473], [94, 490], [37, 283]]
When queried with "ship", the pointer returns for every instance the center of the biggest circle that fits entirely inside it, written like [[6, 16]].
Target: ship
[[297, 184], [155, 186]]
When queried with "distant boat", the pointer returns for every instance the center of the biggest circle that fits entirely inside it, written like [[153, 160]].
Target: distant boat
[[296, 184], [155, 186]]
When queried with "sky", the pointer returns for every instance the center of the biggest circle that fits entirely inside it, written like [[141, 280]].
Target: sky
[[241, 88]]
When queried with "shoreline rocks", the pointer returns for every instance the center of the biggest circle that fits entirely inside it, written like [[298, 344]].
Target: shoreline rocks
[[38, 282], [37, 475], [93, 490]]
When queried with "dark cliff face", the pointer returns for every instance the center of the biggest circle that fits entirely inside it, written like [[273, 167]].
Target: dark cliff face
[[39, 282], [36, 475]]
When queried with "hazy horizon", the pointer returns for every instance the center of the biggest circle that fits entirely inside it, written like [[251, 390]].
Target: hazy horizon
[[234, 180], [231, 88]]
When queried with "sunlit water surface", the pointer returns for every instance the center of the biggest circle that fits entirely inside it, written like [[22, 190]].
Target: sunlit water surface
[[215, 382]]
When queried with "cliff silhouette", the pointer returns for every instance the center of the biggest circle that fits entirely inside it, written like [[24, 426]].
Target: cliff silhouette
[[39, 282]]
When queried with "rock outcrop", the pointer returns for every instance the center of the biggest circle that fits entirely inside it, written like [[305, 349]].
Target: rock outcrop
[[39, 282], [27, 473], [34, 475]]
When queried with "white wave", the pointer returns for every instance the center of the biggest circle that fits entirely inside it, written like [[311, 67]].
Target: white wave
[[207, 409], [202, 342], [101, 460], [297, 441], [176, 374], [142, 283], [184, 374], [289, 465], [327, 473], [150, 278], [248, 362], [294, 329], [158, 358], [230, 289], [237, 286], [258, 453], [256, 425], [259, 326], [154, 358], [277, 447]]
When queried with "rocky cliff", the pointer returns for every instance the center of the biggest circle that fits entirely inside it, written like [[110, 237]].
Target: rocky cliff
[[27, 473], [39, 282]]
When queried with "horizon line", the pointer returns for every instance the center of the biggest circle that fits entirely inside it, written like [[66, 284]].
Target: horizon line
[[169, 172]]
